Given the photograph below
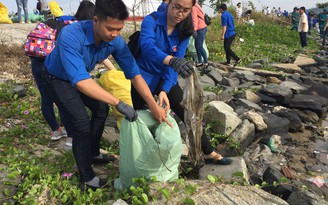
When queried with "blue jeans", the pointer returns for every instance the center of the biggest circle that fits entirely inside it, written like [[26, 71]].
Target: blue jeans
[[199, 40], [47, 104], [22, 4], [87, 132]]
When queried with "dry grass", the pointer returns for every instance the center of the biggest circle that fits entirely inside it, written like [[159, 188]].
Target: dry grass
[[14, 61]]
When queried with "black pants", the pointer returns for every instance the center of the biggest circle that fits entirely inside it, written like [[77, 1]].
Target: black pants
[[87, 132], [175, 96], [229, 53], [303, 39]]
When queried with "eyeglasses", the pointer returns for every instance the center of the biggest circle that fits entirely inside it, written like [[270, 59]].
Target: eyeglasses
[[180, 9]]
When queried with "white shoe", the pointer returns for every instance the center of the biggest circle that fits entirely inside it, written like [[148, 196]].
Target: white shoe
[[69, 142], [56, 135]]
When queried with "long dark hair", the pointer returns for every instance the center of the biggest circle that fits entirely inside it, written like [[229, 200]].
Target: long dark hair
[[185, 27], [86, 11]]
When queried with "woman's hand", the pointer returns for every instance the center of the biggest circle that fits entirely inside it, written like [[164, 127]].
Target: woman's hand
[[163, 100]]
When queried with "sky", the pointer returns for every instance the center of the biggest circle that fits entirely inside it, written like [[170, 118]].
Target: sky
[[70, 6]]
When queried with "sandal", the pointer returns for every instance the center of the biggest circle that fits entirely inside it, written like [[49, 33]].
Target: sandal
[[199, 65], [237, 62], [223, 161]]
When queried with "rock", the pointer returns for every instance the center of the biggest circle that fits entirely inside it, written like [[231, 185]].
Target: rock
[[119, 202], [250, 96], [209, 96], [225, 171], [244, 134], [222, 118], [255, 65], [303, 197], [19, 90], [7, 183], [245, 76], [110, 134], [231, 82], [314, 103], [307, 116], [213, 193], [296, 124], [225, 96], [302, 60], [216, 76], [317, 88], [281, 94], [262, 61], [267, 99], [255, 118], [248, 104], [206, 81], [287, 67], [294, 87], [321, 148], [272, 79], [272, 175], [275, 124], [321, 60]]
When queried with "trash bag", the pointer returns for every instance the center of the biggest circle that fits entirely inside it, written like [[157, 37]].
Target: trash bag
[[4, 18], [55, 9], [115, 83], [192, 50], [148, 148]]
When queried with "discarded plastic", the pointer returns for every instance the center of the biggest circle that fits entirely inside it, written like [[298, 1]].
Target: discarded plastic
[[274, 143], [319, 181]]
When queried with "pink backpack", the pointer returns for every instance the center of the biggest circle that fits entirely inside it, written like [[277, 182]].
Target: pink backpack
[[40, 41]]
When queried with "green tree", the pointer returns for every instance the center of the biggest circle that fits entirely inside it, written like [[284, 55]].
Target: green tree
[[251, 4], [216, 3], [322, 5]]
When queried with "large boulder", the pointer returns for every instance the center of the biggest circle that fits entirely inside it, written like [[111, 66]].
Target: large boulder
[[201, 192]]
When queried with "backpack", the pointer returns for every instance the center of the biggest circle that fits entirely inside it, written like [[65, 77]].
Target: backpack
[[42, 39], [133, 43]]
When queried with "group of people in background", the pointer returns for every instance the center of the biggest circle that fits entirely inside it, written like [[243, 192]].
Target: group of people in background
[[41, 9]]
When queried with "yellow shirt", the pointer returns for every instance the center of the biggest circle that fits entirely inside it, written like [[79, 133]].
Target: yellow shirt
[[303, 20]]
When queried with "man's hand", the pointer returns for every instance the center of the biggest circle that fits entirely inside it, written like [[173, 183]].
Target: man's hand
[[160, 114], [182, 67], [222, 37], [127, 110], [163, 100]]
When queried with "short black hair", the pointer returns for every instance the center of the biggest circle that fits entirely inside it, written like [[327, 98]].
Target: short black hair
[[302, 8], [111, 8], [223, 7], [238, 3]]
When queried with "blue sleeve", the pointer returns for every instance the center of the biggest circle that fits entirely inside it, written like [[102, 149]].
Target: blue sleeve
[[125, 59], [70, 55], [148, 40], [224, 20], [171, 77]]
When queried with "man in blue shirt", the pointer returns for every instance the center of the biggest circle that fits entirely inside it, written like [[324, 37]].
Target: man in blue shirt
[[79, 48], [228, 34]]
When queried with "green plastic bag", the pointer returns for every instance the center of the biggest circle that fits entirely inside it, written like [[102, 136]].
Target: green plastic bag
[[148, 149]]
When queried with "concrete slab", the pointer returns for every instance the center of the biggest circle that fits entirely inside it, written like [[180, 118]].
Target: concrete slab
[[287, 67], [225, 171], [303, 60]]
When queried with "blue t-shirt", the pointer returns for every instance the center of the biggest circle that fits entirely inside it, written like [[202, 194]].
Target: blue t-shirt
[[156, 45], [227, 20], [76, 54]]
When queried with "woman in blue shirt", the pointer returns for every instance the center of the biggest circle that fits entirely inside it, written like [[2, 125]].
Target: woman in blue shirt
[[163, 41]]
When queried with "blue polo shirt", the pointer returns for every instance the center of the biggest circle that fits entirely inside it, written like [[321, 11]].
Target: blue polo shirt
[[76, 54], [156, 45], [227, 20]]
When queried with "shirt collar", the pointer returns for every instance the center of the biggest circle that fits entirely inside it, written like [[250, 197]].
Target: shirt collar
[[90, 40]]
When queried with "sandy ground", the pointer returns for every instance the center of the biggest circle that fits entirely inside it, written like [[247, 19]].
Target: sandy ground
[[15, 33]]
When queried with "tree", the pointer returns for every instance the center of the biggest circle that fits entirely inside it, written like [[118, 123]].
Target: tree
[[322, 5], [216, 3]]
